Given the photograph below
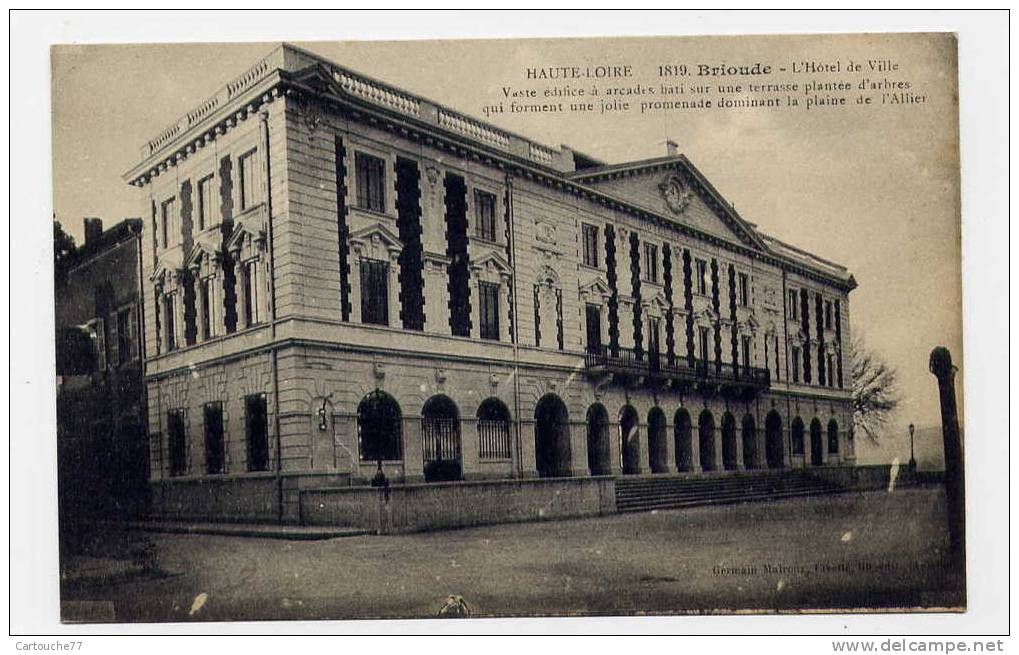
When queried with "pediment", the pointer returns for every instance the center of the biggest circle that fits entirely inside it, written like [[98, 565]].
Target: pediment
[[166, 269], [377, 233], [203, 247], [492, 260], [597, 287], [243, 234], [674, 189]]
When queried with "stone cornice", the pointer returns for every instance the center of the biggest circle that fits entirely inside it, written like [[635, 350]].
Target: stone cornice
[[370, 102]]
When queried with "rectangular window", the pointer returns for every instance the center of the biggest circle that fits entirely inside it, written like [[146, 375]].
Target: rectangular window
[[484, 214], [204, 202], [169, 327], [374, 291], [827, 315], [794, 305], [249, 180], [370, 182], [702, 277], [743, 287], [251, 292], [795, 357], [125, 334], [170, 228], [215, 452], [651, 262], [176, 433], [705, 335], [746, 351], [488, 294], [590, 245], [205, 291], [653, 341], [593, 320], [831, 370], [257, 431]]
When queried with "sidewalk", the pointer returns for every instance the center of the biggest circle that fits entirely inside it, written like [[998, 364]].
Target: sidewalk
[[265, 531]]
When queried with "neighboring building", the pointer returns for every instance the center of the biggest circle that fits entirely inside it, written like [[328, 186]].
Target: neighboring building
[[339, 273], [100, 397]]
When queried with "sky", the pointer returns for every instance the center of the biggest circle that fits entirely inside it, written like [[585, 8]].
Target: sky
[[874, 189]]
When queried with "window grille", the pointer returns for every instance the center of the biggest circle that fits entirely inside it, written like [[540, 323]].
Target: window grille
[[493, 430]]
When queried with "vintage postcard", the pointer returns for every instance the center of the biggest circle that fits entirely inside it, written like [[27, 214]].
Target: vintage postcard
[[494, 328]]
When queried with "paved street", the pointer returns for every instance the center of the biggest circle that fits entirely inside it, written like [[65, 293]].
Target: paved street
[[863, 550]]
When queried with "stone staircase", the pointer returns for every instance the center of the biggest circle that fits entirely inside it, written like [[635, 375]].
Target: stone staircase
[[642, 494]]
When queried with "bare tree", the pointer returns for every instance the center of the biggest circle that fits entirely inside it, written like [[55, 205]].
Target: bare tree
[[875, 391]]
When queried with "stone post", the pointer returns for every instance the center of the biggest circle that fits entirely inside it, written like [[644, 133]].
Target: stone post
[[941, 366]]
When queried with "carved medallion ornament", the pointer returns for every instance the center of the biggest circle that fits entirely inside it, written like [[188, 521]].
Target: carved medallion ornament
[[677, 196]]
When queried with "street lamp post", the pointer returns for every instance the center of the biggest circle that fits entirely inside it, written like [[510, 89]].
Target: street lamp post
[[912, 457]]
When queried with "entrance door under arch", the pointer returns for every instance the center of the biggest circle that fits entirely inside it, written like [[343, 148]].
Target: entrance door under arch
[[599, 456], [552, 437], [682, 432], [706, 440], [629, 440], [440, 439], [749, 434], [816, 445], [657, 448], [728, 442], [774, 448]]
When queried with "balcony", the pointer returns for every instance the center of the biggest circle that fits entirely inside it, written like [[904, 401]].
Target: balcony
[[628, 364]]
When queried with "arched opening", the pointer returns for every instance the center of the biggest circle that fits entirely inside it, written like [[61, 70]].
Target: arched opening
[[552, 437], [493, 430], [657, 448], [728, 442], [749, 434], [833, 437], [378, 427], [706, 440], [682, 433], [796, 436], [816, 445], [629, 440], [599, 456], [773, 442], [440, 439]]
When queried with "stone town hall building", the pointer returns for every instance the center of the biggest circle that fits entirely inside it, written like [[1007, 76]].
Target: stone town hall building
[[338, 273]]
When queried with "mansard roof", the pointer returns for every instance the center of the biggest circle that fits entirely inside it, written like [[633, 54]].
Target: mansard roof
[[293, 71]]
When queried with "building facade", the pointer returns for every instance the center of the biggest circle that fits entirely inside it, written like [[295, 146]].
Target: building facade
[[101, 418], [342, 277]]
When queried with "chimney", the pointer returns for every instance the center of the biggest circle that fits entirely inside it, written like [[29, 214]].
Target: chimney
[[93, 229], [672, 148]]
